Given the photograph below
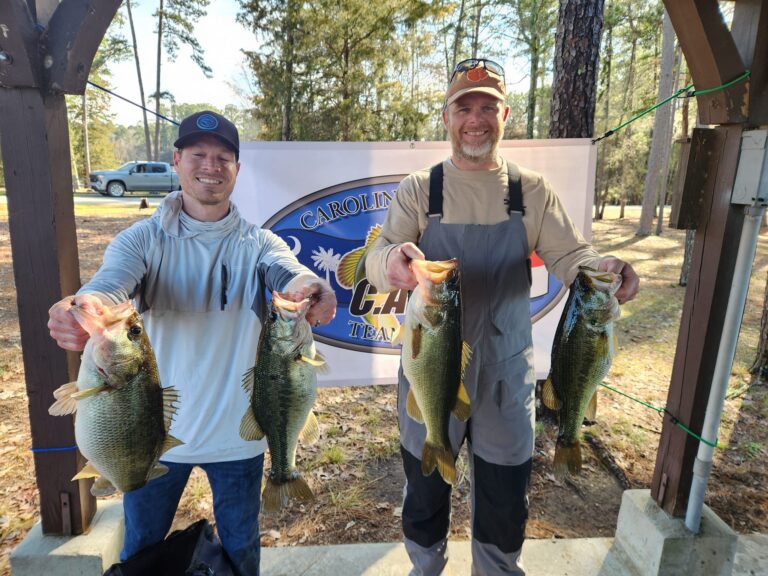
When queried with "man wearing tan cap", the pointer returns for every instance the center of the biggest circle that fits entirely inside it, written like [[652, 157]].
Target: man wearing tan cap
[[491, 215]]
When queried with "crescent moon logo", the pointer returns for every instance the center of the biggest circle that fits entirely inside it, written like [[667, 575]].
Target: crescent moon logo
[[296, 246]]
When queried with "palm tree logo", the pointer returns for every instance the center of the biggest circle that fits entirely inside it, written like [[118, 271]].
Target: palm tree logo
[[326, 261]]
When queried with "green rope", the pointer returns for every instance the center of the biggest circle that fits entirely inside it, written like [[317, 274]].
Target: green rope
[[675, 421], [688, 94]]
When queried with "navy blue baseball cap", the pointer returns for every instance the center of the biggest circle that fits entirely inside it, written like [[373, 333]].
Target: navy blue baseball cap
[[211, 123]]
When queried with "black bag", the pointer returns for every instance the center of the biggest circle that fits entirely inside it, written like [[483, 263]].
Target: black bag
[[194, 551]]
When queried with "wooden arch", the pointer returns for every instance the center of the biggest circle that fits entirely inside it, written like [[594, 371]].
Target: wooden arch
[[46, 50]]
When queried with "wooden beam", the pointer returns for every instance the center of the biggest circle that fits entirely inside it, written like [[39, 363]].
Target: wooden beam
[[73, 36], [18, 45], [750, 31], [706, 297], [712, 58], [38, 179]]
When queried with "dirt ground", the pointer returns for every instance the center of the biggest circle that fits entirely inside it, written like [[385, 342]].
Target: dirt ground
[[355, 468]]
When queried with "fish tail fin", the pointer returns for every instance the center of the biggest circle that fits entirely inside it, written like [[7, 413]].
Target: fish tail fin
[[299, 489], [276, 494], [434, 456], [567, 459]]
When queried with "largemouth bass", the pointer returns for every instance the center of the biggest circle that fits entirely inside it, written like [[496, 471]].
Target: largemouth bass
[[283, 386], [582, 352], [123, 415], [434, 358]]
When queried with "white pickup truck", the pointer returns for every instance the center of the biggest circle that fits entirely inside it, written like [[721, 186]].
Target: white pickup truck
[[134, 176]]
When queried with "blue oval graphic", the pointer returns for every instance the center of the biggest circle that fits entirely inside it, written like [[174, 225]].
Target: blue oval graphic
[[329, 232]]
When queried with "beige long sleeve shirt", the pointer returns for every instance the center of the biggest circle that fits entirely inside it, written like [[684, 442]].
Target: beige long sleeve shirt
[[477, 197]]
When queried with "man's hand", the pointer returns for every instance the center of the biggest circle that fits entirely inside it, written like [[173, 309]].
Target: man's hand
[[630, 282], [323, 301], [63, 326], [399, 273]]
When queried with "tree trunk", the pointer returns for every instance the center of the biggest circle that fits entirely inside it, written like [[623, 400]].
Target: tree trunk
[[288, 84], [157, 78], [534, 71], [759, 369], [476, 32], [86, 145], [602, 180], [147, 140], [661, 131], [577, 56], [457, 38], [666, 155]]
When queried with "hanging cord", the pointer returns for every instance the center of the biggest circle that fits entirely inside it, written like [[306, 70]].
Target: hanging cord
[[108, 91], [675, 421], [688, 94]]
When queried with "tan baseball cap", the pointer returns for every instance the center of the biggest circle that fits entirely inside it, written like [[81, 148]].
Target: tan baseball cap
[[477, 79]]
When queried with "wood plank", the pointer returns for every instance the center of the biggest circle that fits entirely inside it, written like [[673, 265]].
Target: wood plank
[[74, 34], [686, 198], [706, 298], [712, 58], [35, 146], [18, 41], [750, 31]]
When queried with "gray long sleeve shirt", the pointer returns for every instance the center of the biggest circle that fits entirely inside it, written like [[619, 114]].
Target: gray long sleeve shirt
[[199, 286]]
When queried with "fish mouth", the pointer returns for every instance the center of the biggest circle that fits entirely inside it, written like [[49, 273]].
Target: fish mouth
[[434, 271], [608, 282], [89, 319], [288, 308]]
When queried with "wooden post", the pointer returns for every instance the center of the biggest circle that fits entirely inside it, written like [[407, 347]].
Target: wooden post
[[714, 58], [706, 296], [48, 47]]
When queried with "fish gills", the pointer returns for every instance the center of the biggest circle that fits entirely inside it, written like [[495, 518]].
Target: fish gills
[[582, 352], [123, 414], [434, 359], [282, 386]]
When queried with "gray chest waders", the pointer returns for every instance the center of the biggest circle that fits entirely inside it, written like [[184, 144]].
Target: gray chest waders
[[495, 284]]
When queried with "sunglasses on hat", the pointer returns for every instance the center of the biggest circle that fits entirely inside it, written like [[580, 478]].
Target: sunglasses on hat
[[472, 63]]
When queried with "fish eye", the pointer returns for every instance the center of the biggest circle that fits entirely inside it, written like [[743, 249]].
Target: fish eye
[[135, 330]]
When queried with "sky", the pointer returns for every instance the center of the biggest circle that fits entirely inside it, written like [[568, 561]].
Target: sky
[[220, 36]]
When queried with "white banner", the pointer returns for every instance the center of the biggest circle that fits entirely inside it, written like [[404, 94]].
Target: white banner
[[325, 199]]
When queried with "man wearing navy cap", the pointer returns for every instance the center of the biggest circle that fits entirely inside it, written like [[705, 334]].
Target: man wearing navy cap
[[197, 272]]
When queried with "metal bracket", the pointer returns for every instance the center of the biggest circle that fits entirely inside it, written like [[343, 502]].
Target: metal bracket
[[751, 185], [66, 514]]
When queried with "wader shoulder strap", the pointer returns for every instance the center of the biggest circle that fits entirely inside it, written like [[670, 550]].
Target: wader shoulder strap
[[436, 190], [514, 199]]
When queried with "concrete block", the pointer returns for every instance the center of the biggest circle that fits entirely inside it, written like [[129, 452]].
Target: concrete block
[[656, 544], [88, 554]]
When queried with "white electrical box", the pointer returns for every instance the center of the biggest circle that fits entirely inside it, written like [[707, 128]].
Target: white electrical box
[[751, 185]]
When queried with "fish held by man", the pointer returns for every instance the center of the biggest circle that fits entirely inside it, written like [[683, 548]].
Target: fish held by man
[[434, 358], [123, 414], [582, 352], [282, 387]]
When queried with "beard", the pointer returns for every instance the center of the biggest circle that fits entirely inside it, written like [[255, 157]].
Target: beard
[[478, 152]]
